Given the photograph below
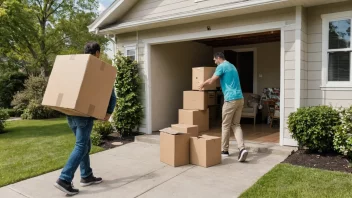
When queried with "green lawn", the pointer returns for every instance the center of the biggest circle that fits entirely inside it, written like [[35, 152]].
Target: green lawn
[[293, 181], [31, 148]]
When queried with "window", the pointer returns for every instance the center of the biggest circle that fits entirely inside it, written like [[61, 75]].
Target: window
[[337, 50], [131, 52]]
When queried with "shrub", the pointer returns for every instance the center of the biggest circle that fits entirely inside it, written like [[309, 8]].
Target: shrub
[[313, 127], [10, 84], [34, 91], [96, 138], [103, 128], [129, 110], [343, 135], [37, 111], [14, 112], [3, 116]]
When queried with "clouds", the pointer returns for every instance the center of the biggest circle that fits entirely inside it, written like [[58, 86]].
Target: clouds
[[103, 4]]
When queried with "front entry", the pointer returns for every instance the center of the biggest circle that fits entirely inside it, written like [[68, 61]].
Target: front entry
[[244, 62]]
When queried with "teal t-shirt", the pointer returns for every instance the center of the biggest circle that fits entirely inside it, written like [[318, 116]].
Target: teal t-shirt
[[229, 80]]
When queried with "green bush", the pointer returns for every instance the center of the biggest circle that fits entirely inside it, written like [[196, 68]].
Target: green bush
[[96, 138], [103, 128], [37, 111], [129, 110], [34, 91], [343, 135], [313, 127], [3, 116], [10, 84], [14, 112]]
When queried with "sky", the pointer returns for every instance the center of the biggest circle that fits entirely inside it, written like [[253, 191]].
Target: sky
[[103, 4]]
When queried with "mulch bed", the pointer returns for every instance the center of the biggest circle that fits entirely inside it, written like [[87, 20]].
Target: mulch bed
[[114, 140], [328, 161]]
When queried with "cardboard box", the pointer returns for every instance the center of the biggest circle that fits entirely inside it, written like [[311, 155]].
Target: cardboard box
[[201, 74], [80, 85], [194, 117], [195, 100], [186, 128], [205, 151], [211, 98], [174, 147]]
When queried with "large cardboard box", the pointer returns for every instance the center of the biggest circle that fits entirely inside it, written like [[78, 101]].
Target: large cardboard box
[[201, 74], [195, 100], [174, 147], [218, 83], [194, 117], [80, 85], [186, 128], [205, 151], [211, 98]]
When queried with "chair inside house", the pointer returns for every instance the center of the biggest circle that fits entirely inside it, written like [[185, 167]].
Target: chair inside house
[[273, 112], [250, 109]]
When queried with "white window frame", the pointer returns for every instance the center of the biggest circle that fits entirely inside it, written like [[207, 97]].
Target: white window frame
[[327, 18], [132, 47]]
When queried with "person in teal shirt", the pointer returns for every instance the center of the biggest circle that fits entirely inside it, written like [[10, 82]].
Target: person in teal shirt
[[233, 105]]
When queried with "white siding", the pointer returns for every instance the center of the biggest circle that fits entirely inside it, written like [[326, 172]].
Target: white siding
[[316, 96], [287, 15]]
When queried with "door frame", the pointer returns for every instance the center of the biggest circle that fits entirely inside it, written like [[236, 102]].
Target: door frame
[[280, 25], [255, 67]]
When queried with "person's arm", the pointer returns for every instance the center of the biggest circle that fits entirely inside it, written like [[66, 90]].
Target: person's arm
[[209, 81], [111, 107], [218, 72]]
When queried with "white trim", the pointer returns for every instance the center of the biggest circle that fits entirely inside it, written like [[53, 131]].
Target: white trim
[[289, 142], [282, 86], [148, 88], [201, 12], [231, 31], [326, 85], [209, 34], [298, 53]]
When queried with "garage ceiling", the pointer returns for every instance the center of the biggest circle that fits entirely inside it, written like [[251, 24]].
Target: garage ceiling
[[247, 39]]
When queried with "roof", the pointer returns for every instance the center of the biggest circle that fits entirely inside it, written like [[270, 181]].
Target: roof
[[115, 11]]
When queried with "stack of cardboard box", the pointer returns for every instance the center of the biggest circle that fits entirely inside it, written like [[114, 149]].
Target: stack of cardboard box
[[180, 144]]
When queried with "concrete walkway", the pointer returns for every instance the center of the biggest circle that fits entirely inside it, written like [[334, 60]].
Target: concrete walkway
[[134, 170]]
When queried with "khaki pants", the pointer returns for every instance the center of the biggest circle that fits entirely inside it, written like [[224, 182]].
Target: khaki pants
[[231, 117]]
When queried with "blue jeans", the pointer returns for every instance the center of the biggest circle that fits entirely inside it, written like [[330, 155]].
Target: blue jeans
[[82, 128]]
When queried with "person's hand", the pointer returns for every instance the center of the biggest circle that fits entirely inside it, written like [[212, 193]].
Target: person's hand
[[107, 117], [201, 86]]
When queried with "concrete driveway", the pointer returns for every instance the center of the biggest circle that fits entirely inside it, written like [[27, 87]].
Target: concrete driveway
[[134, 170]]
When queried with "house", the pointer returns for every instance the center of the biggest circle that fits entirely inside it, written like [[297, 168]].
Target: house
[[301, 47]]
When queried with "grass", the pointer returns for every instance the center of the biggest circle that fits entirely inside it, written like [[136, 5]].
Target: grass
[[32, 148], [286, 180]]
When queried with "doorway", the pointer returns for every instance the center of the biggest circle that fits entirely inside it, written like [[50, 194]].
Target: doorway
[[244, 63]]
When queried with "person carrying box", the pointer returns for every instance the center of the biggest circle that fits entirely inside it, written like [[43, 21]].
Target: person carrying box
[[233, 105], [82, 128]]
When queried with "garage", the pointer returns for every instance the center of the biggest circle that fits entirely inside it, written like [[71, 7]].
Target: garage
[[257, 57]]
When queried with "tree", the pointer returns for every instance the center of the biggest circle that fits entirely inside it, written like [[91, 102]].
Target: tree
[[33, 32]]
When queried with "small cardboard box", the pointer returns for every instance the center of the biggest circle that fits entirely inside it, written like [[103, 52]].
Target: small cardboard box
[[211, 98], [186, 128], [195, 100], [80, 85], [201, 74], [194, 117], [205, 151], [174, 147]]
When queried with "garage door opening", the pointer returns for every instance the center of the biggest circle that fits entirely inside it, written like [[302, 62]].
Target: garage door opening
[[257, 59]]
